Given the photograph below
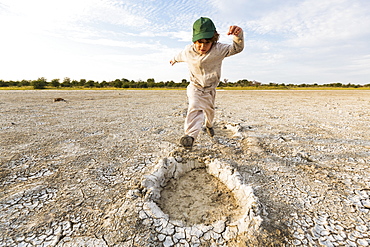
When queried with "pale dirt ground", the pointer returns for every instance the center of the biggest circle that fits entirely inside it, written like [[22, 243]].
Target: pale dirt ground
[[66, 167]]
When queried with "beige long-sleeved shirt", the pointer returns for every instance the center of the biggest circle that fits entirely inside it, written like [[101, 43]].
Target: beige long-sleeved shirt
[[205, 70]]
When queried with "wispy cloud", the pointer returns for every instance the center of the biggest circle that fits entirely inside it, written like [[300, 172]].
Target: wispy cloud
[[314, 22], [122, 44]]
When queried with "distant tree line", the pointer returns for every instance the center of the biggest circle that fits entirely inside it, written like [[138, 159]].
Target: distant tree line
[[43, 83]]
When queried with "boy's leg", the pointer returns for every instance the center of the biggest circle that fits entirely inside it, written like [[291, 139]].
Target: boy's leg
[[193, 123], [209, 109], [195, 116], [200, 103]]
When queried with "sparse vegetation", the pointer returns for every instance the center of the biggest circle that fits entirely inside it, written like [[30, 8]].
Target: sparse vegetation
[[244, 84]]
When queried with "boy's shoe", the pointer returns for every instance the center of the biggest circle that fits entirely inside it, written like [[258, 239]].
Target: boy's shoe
[[210, 131], [187, 141]]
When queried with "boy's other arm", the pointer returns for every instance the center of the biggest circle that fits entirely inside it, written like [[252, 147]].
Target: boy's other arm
[[181, 57]]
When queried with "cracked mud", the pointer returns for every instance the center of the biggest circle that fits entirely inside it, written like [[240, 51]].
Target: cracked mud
[[71, 173]]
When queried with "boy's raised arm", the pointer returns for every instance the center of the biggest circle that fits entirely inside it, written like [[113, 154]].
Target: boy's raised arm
[[234, 30]]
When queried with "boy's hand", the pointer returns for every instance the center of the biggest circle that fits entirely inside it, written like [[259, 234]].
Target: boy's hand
[[234, 30]]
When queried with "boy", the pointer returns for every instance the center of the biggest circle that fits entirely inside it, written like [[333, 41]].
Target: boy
[[204, 58]]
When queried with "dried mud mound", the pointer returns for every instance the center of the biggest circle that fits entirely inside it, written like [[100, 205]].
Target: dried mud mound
[[202, 219]]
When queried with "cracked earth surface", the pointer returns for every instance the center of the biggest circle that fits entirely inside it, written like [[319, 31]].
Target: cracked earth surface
[[71, 172]]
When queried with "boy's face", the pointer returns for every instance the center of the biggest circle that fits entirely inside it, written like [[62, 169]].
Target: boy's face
[[203, 46]]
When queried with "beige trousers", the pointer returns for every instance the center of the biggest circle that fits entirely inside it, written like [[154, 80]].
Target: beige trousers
[[201, 110]]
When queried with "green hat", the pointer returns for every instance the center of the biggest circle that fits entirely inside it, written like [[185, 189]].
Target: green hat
[[203, 28]]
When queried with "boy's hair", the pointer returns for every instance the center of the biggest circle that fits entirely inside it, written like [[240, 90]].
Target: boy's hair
[[214, 39]]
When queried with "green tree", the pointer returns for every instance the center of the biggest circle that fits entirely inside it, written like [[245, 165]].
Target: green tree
[[40, 83], [97, 84], [13, 83], [169, 83], [82, 82], [4, 83], [66, 82], [24, 83], [184, 83], [74, 83], [117, 83], [160, 84], [55, 83], [104, 84], [90, 84], [151, 82], [142, 84]]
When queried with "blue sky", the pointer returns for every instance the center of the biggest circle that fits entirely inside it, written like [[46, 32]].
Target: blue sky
[[291, 41]]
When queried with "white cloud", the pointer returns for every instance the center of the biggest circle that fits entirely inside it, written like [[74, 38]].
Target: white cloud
[[113, 12], [122, 44], [315, 22], [69, 15]]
